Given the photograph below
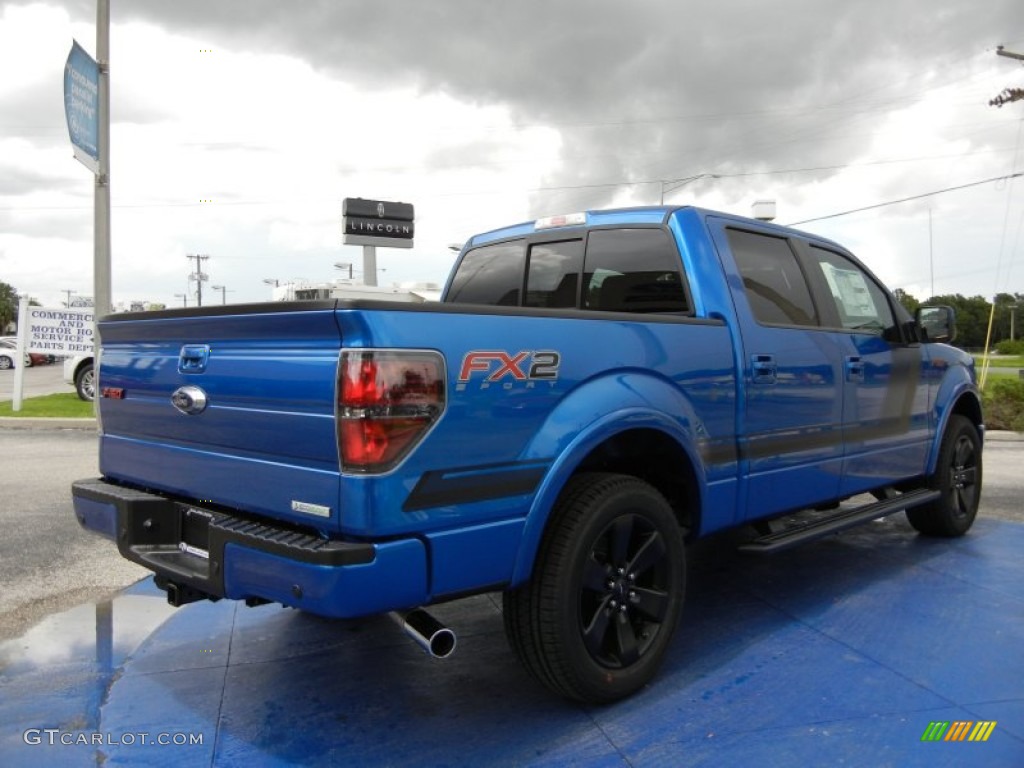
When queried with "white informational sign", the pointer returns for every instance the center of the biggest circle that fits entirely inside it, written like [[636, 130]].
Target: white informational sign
[[59, 331], [51, 332]]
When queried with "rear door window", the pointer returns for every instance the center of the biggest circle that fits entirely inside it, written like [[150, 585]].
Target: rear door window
[[633, 270]]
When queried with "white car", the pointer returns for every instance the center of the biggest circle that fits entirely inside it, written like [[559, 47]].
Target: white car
[[79, 372], [9, 352]]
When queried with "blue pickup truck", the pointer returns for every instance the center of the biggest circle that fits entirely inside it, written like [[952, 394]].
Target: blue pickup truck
[[593, 392]]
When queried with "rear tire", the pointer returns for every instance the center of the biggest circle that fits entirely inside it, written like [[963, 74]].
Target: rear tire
[[595, 620], [958, 478]]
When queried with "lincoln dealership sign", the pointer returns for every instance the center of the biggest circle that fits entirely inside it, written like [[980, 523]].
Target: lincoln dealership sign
[[376, 222]]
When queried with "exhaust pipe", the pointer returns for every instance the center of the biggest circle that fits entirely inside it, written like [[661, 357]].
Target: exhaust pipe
[[429, 633]]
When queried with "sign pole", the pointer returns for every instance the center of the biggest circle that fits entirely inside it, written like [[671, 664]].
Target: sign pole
[[102, 290], [369, 264], [19, 353], [101, 222]]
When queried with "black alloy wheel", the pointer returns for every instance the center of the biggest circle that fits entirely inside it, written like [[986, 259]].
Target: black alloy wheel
[[595, 620], [958, 478]]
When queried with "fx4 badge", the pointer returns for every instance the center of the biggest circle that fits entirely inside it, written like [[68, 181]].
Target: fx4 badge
[[504, 368]]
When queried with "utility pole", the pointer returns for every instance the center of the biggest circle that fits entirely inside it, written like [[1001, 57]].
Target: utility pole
[[1008, 95], [198, 275]]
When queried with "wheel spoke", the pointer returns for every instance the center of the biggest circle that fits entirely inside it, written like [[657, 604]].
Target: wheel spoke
[[651, 603], [965, 500], [629, 651], [964, 453], [594, 633], [649, 554], [621, 534], [595, 575]]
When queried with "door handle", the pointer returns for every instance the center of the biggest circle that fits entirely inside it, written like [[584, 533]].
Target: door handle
[[854, 369], [763, 369]]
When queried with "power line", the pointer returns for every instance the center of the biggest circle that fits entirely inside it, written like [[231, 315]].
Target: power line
[[552, 188], [906, 199]]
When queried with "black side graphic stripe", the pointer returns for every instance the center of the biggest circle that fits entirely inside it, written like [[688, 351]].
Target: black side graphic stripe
[[468, 484]]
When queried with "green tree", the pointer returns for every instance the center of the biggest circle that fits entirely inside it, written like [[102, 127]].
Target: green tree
[[971, 318], [8, 305], [909, 302], [1008, 305]]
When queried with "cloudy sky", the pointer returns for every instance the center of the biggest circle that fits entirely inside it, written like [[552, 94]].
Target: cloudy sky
[[238, 126]]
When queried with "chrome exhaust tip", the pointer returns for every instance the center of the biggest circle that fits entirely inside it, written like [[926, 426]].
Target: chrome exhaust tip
[[428, 633]]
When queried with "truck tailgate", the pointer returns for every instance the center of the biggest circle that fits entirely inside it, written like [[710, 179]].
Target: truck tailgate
[[231, 403]]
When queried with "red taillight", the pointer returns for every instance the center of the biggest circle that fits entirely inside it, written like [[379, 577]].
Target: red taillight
[[387, 401]]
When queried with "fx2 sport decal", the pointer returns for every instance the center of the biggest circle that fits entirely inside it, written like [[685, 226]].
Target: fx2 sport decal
[[497, 367]]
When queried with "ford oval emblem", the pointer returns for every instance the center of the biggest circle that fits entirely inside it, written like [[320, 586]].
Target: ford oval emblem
[[189, 400]]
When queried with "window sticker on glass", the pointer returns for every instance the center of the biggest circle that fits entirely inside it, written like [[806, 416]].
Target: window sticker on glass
[[850, 290]]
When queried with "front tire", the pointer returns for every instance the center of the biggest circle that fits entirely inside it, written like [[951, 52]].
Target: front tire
[[595, 620], [85, 383], [958, 478]]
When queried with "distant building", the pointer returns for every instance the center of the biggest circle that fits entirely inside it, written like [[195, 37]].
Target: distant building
[[345, 289]]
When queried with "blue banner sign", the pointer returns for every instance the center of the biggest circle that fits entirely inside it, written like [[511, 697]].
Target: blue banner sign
[[82, 105]]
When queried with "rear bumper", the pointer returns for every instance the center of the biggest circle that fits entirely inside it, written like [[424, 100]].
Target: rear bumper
[[221, 555]]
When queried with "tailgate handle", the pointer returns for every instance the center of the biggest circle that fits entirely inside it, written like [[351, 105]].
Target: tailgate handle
[[193, 358]]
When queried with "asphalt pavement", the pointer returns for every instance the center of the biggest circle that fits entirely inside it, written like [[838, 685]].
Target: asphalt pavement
[[47, 562], [39, 380]]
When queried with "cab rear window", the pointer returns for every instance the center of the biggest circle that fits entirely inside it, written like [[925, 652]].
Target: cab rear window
[[612, 270], [490, 275]]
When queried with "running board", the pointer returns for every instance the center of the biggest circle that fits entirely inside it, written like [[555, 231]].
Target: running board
[[776, 542]]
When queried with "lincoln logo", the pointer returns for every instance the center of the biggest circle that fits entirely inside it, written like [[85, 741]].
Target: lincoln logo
[[380, 210], [189, 400]]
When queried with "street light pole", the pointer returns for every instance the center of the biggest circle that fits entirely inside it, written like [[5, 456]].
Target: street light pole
[[223, 293]]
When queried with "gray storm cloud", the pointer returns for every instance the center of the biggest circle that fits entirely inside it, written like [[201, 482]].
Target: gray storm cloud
[[640, 91]]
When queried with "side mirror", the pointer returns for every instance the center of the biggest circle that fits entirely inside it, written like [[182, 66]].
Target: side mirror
[[935, 324]]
